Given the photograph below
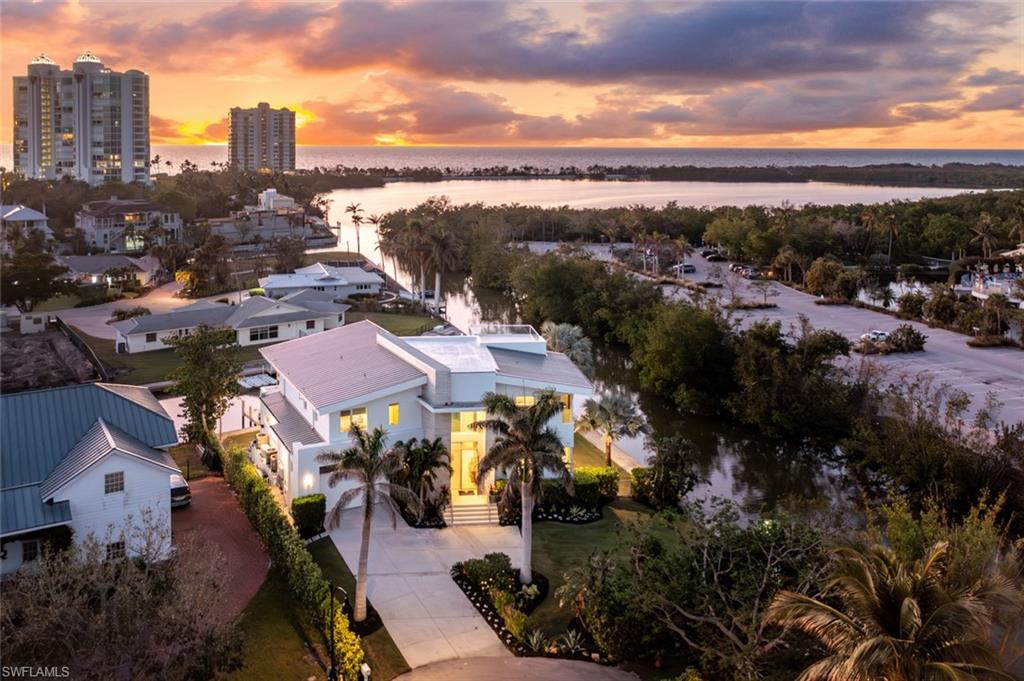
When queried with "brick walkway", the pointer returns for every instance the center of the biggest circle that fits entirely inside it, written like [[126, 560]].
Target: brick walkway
[[214, 514]]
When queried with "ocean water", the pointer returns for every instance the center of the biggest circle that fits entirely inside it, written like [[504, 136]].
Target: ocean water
[[553, 158]]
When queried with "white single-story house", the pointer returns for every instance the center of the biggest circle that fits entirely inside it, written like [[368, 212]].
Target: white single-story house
[[18, 218], [121, 224], [422, 387], [111, 269], [83, 460], [258, 320], [341, 281]]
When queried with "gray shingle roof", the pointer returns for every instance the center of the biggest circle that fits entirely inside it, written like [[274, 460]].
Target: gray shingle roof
[[220, 314], [341, 364], [39, 428], [554, 367], [97, 264], [291, 426], [99, 441]]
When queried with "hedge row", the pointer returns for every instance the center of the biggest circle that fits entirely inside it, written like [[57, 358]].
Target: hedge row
[[593, 486], [292, 558], [308, 512]]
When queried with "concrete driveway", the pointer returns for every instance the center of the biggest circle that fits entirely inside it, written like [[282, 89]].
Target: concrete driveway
[[93, 320], [947, 358], [427, 615], [516, 669]]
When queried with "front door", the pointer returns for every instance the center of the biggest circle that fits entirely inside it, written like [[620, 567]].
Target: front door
[[465, 472]]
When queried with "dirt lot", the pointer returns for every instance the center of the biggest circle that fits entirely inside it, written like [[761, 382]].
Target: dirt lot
[[41, 360]]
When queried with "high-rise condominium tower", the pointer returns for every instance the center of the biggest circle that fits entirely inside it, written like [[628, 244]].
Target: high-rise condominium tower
[[262, 138], [90, 122]]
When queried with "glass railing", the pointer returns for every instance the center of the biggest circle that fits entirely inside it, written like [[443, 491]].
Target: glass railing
[[494, 329]]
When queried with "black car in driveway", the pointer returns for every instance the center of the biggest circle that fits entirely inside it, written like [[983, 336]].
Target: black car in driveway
[[181, 493]]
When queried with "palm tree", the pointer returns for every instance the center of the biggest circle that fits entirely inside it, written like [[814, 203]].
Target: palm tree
[[357, 219], [569, 340], [420, 465], [984, 234], [899, 621], [376, 221], [413, 243], [525, 447], [614, 416], [658, 242], [372, 466], [885, 223], [442, 255], [786, 258], [683, 250]]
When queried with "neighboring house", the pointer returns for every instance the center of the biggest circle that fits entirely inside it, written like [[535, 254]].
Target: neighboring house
[[114, 270], [422, 387], [274, 215], [341, 281], [87, 458], [120, 225], [20, 219], [257, 320]]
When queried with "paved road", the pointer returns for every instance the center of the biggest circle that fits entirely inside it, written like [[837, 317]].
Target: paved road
[[947, 357], [516, 669]]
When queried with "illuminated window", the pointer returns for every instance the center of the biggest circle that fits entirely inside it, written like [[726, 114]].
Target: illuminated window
[[393, 414], [567, 455], [567, 408], [356, 416], [525, 400]]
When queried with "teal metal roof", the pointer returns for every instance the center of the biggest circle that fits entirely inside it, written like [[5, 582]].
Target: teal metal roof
[[21, 510], [100, 440], [39, 429]]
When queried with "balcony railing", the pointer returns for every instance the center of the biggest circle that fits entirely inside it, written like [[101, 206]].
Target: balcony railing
[[494, 329]]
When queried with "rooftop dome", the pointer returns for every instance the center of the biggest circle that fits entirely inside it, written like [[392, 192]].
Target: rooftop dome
[[88, 56], [43, 59]]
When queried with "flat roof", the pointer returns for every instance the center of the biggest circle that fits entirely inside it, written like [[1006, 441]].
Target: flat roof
[[461, 354]]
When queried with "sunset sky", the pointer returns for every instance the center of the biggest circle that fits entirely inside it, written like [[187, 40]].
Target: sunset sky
[[827, 74]]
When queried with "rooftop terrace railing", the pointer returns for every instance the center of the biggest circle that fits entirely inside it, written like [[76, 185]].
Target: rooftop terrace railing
[[494, 329]]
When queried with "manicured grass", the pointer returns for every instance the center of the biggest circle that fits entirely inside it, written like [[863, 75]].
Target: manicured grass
[[557, 547], [187, 458], [585, 453], [276, 638], [240, 439], [327, 256], [144, 367], [383, 656], [395, 322], [58, 303]]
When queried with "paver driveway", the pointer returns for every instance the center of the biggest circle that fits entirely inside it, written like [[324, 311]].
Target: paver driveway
[[428, 616], [516, 669]]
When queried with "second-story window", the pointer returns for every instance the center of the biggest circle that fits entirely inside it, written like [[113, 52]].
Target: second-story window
[[525, 400], [394, 415], [353, 416]]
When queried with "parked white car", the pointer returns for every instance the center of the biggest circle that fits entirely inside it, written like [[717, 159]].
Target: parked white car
[[875, 336]]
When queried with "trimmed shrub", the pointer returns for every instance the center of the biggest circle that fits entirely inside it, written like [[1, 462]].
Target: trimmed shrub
[[494, 570], [643, 484], [137, 311], [308, 512], [253, 292], [289, 553], [514, 618], [606, 477]]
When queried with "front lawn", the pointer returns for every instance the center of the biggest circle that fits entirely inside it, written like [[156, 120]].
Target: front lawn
[[144, 367], [276, 638], [557, 547], [62, 302], [397, 323], [328, 256], [187, 457], [383, 656]]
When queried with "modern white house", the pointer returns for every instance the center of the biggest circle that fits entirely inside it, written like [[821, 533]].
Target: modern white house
[[341, 281], [20, 219], [120, 225], [257, 320], [422, 387], [83, 460]]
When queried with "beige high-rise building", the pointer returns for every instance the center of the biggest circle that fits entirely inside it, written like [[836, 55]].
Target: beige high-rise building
[[262, 138], [88, 122]]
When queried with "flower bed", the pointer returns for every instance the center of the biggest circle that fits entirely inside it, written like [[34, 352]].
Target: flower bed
[[493, 587]]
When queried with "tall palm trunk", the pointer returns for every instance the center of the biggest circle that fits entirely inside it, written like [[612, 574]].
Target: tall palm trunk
[[607, 451], [423, 284], [526, 569], [359, 613], [437, 292], [890, 248]]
